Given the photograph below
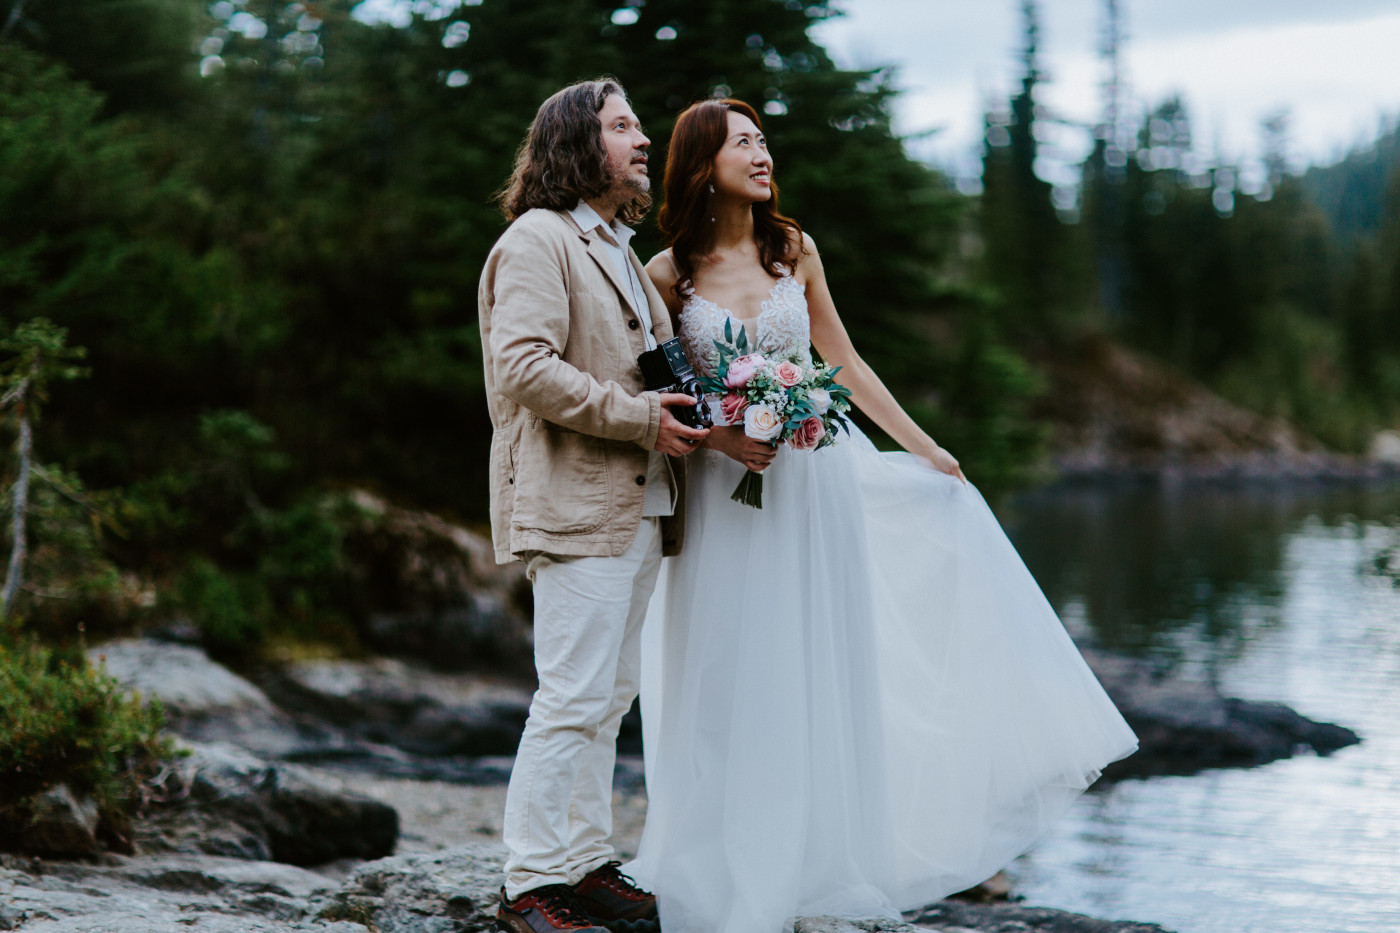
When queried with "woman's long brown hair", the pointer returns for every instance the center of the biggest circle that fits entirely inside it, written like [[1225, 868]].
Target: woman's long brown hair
[[700, 132]]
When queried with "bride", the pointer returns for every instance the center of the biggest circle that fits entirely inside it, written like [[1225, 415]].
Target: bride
[[855, 700]]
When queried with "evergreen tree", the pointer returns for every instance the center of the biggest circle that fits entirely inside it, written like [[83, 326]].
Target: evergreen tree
[[1029, 257], [279, 285], [135, 53]]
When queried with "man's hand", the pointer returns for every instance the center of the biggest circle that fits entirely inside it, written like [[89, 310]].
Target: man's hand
[[731, 441], [675, 438]]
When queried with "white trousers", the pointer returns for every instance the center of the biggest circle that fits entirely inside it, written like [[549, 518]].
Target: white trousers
[[588, 622]]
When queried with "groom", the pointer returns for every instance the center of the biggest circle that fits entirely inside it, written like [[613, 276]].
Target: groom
[[582, 490]]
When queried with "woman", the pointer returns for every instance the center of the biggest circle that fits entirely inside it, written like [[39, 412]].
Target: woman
[[855, 700]]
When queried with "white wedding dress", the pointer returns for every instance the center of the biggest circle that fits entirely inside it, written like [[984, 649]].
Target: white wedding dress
[[855, 700]]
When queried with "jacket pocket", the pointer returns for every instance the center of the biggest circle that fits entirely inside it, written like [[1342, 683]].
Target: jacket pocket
[[561, 480]]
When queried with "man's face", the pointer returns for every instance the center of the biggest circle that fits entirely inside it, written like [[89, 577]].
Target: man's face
[[626, 147]]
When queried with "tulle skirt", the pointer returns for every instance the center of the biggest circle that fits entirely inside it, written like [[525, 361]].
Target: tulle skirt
[[855, 701]]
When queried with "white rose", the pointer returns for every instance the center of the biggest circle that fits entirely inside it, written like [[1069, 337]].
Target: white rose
[[762, 423], [821, 399]]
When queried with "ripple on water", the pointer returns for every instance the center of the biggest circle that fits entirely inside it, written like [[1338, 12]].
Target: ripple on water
[[1274, 595]]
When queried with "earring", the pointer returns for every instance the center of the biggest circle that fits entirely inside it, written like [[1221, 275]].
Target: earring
[[712, 189]]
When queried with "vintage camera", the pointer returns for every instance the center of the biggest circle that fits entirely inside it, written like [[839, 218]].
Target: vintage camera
[[666, 369]]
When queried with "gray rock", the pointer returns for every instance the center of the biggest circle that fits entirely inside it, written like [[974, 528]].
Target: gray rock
[[453, 891], [55, 822], [205, 701], [225, 801], [1385, 448], [186, 681], [380, 716], [1185, 725], [408, 706], [955, 917], [851, 925], [168, 893], [435, 591]]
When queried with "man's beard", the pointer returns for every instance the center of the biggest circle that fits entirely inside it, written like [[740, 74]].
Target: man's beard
[[626, 186]]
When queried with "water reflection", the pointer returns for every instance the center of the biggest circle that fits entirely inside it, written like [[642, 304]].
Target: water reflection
[[1279, 594], [1168, 571]]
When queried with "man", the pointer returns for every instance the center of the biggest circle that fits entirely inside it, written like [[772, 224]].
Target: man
[[581, 489]]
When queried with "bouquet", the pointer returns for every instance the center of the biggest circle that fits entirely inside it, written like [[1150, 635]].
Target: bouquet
[[776, 401]]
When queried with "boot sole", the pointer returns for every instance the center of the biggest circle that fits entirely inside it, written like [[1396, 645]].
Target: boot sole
[[647, 925], [504, 925]]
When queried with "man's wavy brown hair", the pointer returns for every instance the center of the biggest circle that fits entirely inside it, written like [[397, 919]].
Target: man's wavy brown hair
[[700, 132], [562, 159]]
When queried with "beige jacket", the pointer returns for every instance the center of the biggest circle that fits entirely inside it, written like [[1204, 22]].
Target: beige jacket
[[572, 427]]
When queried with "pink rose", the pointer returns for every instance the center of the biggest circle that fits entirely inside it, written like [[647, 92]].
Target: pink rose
[[808, 434], [742, 369], [788, 373], [732, 407]]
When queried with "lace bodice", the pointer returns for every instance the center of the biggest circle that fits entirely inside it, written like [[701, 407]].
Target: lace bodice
[[784, 331]]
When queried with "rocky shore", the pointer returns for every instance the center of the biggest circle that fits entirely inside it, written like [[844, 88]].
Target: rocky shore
[[1117, 415], [1186, 725], [452, 891], [367, 795]]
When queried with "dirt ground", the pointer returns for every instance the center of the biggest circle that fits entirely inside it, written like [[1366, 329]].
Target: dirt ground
[[435, 815]]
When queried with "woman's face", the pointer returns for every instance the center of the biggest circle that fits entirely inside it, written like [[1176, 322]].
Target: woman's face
[[742, 167]]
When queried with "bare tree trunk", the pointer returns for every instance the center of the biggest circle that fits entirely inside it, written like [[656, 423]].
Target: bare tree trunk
[[24, 448], [16, 12]]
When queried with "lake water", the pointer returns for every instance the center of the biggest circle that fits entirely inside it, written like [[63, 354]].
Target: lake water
[[1282, 594]]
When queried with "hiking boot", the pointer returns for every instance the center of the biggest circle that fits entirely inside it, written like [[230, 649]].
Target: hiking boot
[[551, 908], [613, 900]]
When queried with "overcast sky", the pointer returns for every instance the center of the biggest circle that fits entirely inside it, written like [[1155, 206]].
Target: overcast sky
[[1335, 64]]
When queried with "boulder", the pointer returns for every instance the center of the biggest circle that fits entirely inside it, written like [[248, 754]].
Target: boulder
[[408, 706], [435, 591], [184, 678], [1184, 725], [956, 917], [1385, 448], [164, 893], [223, 801], [453, 891], [205, 701], [56, 822]]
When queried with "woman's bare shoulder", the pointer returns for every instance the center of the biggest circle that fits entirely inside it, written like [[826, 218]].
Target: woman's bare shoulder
[[807, 261], [662, 268], [662, 271]]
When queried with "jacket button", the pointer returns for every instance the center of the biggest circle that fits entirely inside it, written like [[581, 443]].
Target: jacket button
[[632, 323], [641, 481]]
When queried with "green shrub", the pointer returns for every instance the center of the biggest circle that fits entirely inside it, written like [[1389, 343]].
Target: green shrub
[[1298, 372], [284, 573], [231, 610], [62, 721], [249, 552]]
